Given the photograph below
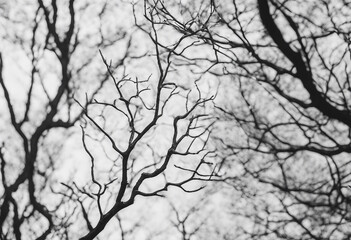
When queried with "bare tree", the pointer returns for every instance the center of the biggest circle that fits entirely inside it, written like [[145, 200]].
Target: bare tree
[[287, 65], [57, 50], [49, 42], [143, 108], [282, 118]]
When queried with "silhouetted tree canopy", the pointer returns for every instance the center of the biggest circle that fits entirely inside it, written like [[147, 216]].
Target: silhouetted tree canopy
[[250, 99]]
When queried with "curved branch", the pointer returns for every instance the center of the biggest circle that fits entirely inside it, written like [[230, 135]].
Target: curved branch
[[318, 100]]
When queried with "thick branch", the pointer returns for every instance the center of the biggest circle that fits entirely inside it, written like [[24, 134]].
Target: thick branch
[[317, 98]]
